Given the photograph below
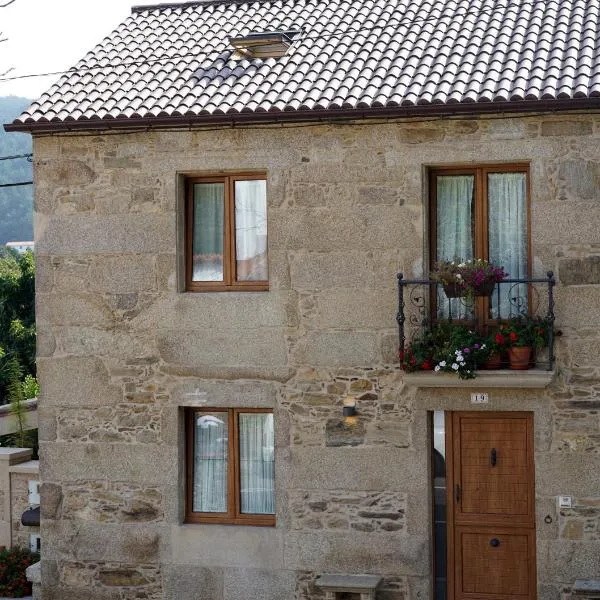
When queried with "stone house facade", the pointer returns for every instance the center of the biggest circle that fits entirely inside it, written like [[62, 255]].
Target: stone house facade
[[125, 350]]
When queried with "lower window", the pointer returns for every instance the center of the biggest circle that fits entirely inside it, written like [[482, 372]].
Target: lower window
[[230, 466]]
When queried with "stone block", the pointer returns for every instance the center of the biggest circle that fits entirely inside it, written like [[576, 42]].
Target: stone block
[[578, 271], [579, 179], [72, 309], [566, 128], [86, 234], [250, 394], [578, 307], [572, 471], [355, 552], [239, 311], [51, 500], [356, 308], [65, 172], [69, 540], [225, 546], [336, 348], [191, 582], [584, 352], [123, 274], [566, 561], [369, 468], [259, 584], [352, 269], [264, 346], [577, 215], [77, 382], [148, 464], [364, 228]]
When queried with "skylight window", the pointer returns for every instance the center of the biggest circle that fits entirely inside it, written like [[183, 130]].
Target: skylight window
[[267, 44]]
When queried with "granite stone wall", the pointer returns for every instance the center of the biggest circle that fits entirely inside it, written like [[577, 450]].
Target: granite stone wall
[[122, 349]]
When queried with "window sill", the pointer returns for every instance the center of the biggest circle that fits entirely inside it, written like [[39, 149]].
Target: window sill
[[531, 378]]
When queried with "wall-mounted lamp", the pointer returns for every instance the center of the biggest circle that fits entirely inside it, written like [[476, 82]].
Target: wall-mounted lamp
[[349, 407]]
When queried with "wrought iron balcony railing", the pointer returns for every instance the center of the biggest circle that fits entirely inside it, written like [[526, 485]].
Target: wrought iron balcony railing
[[422, 303]]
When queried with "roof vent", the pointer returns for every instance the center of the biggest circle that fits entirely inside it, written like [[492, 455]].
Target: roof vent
[[268, 44]]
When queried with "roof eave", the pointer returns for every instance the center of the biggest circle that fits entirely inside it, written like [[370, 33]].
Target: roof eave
[[281, 117]]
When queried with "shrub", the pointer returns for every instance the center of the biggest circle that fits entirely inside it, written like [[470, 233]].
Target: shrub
[[13, 562]]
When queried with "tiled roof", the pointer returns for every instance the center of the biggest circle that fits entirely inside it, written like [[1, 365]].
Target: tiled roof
[[175, 61]]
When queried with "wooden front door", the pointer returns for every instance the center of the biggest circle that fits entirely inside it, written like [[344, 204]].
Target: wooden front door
[[491, 506]]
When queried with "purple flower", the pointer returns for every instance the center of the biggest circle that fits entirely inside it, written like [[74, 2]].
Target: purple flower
[[466, 350], [476, 346]]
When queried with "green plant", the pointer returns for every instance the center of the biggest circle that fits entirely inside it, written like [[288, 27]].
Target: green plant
[[459, 349], [418, 355], [30, 387], [526, 331], [468, 276], [13, 562]]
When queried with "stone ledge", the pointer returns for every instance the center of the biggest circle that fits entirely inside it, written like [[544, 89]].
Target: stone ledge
[[531, 378], [349, 583], [586, 587]]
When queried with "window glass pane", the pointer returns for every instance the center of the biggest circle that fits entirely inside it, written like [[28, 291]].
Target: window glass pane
[[251, 230], [507, 208], [210, 462], [207, 240], [455, 227], [257, 474]]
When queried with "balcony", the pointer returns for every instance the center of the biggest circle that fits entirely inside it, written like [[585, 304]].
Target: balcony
[[430, 322]]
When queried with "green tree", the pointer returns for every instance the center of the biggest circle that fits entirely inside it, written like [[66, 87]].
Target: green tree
[[17, 318]]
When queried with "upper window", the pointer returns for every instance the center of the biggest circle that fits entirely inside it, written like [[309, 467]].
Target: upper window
[[230, 466], [482, 212], [226, 229]]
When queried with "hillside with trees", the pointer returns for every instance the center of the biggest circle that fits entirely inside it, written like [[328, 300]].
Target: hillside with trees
[[16, 203]]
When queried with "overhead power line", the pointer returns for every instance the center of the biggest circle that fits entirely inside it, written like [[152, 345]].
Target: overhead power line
[[5, 185], [14, 156], [331, 35]]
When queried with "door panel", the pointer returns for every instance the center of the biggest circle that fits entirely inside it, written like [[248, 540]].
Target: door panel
[[493, 467], [491, 548]]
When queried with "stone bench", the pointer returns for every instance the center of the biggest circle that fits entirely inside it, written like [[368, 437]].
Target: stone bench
[[362, 586], [590, 588]]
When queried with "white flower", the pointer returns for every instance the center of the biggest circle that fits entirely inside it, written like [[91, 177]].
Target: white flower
[[460, 359], [462, 265], [442, 363], [437, 368], [455, 366], [457, 352], [458, 277], [483, 346]]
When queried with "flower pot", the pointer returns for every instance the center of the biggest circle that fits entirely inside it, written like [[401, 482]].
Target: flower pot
[[519, 357], [493, 362], [427, 365], [454, 290], [485, 289]]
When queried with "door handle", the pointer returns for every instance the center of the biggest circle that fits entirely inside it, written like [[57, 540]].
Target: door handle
[[493, 457], [494, 542]]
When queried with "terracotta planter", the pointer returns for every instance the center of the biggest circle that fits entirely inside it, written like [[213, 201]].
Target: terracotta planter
[[485, 290], [519, 357], [493, 362], [454, 290]]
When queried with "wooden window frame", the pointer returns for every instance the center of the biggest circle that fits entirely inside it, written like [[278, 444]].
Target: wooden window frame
[[229, 282], [233, 516], [480, 217]]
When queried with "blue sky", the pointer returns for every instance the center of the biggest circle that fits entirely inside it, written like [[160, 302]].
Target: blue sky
[[51, 35]]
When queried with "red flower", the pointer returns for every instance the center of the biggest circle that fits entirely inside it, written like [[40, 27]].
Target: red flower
[[513, 336], [500, 339]]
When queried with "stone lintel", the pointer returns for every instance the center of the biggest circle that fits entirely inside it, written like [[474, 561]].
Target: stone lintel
[[31, 467], [530, 378], [348, 583]]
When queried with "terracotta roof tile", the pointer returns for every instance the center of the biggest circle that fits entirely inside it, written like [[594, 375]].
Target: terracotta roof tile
[[176, 60]]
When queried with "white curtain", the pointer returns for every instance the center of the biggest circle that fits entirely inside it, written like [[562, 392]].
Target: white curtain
[[210, 463], [454, 231], [251, 230], [507, 209], [257, 474], [209, 213]]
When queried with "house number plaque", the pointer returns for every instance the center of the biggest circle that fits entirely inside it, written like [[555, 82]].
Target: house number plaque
[[479, 398]]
